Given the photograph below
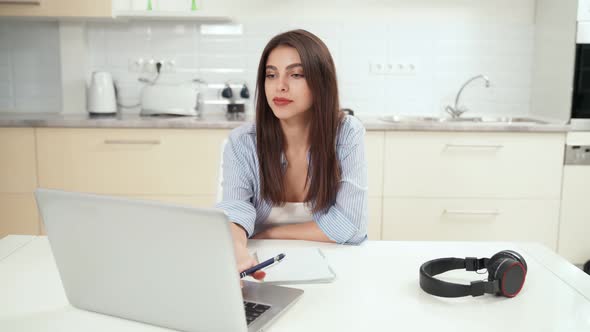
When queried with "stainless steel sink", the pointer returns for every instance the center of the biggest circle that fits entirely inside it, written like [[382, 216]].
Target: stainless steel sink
[[477, 119]]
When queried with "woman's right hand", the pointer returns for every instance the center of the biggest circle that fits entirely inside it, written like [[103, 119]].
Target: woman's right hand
[[243, 258], [245, 261]]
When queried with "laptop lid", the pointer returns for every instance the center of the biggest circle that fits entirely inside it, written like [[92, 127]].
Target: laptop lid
[[145, 261]]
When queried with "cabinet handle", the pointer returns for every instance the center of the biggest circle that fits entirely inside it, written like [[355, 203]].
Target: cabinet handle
[[132, 141], [473, 146], [473, 212]]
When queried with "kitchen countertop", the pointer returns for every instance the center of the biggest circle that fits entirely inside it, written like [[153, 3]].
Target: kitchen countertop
[[218, 121]]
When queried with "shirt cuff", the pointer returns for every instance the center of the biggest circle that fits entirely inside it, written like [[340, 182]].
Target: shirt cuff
[[335, 225], [241, 213]]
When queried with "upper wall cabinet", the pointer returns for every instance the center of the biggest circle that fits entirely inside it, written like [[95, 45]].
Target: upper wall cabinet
[[56, 8], [165, 9], [584, 10]]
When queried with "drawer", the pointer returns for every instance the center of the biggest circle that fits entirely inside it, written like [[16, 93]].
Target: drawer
[[18, 167], [471, 220], [130, 161], [18, 214], [475, 165]]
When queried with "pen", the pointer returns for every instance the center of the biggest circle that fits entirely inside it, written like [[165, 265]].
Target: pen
[[262, 265]]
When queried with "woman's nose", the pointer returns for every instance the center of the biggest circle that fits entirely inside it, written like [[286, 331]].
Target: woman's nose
[[282, 86]]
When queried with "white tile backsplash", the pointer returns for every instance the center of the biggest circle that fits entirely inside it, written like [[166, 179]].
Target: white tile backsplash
[[445, 56], [29, 67], [447, 41]]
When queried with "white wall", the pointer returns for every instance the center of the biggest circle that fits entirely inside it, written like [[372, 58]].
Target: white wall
[[29, 67], [448, 41]]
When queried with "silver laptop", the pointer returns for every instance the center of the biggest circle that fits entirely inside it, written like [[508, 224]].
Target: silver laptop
[[166, 265]]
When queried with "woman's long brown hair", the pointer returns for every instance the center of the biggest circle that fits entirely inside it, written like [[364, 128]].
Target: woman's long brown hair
[[324, 171]]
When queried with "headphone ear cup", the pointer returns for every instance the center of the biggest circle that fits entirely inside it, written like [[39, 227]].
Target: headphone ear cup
[[509, 271], [516, 256]]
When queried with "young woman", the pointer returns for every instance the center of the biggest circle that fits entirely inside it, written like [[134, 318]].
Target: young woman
[[300, 171]]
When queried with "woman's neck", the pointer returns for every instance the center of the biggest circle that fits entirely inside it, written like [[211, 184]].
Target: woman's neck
[[296, 133]]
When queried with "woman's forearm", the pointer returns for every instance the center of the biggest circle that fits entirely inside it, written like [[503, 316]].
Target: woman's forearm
[[239, 236], [309, 231]]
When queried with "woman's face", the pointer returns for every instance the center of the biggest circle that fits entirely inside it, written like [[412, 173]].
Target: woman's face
[[285, 85]]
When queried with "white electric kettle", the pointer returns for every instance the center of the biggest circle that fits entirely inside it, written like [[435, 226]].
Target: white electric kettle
[[101, 94]]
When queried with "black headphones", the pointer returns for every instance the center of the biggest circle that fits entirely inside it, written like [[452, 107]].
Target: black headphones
[[506, 274]]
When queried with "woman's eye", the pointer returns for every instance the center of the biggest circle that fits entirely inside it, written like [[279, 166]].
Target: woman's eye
[[270, 75], [297, 75]]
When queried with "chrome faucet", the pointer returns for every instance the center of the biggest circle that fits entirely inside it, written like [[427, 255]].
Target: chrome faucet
[[456, 111]]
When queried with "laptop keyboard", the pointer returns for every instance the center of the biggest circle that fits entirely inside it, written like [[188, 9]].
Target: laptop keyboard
[[254, 310]]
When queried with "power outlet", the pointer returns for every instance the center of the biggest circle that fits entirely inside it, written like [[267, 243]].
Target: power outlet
[[394, 69], [136, 65], [141, 65]]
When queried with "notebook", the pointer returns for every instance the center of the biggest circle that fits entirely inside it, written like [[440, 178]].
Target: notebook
[[300, 266]]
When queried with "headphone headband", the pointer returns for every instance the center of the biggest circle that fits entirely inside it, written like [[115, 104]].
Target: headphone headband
[[442, 288]]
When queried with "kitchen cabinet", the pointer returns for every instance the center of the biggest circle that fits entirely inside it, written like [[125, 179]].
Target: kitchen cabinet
[[583, 10], [454, 186], [469, 219], [574, 225], [168, 10], [18, 180], [152, 162], [58, 8], [465, 185], [501, 165], [374, 142]]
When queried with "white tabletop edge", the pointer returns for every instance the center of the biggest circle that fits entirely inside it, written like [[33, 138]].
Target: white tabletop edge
[[567, 272], [10, 244]]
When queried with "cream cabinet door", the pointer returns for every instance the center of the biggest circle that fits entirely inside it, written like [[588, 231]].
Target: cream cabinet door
[[18, 180], [18, 172], [500, 165], [18, 214], [374, 143], [58, 8], [374, 228], [574, 228], [426, 219], [162, 162]]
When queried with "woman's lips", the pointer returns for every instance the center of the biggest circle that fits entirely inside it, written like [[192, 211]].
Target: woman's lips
[[281, 101]]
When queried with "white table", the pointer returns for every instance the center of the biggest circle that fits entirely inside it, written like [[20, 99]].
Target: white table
[[12, 243], [376, 290]]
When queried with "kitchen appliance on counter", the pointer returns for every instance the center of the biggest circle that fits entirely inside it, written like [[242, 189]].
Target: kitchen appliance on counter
[[101, 94], [236, 107], [170, 99]]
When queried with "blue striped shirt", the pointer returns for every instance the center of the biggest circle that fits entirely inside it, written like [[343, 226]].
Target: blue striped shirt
[[344, 222]]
